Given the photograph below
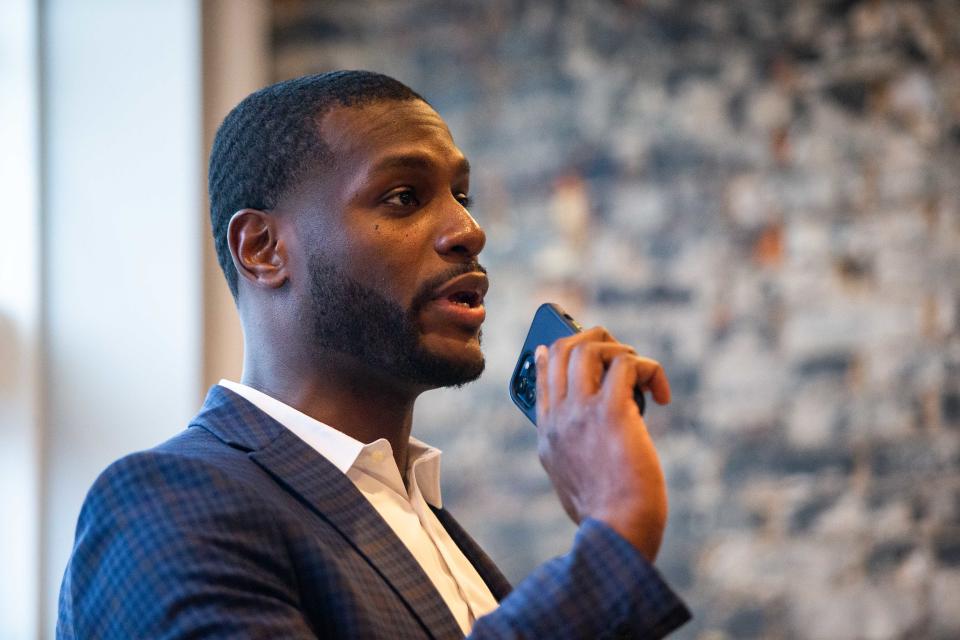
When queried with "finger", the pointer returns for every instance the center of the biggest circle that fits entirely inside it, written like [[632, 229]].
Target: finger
[[588, 362], [630, 371], [559, 359], [543, 395], [651, 377], [597, 334], [620, 380]]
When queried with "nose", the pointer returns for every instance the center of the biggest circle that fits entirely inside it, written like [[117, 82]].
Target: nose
[[462, 237]]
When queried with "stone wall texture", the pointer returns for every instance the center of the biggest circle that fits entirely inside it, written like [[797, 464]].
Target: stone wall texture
[[764, 195]]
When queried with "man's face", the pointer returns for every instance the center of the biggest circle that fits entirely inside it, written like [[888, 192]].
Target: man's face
[[385, 254]]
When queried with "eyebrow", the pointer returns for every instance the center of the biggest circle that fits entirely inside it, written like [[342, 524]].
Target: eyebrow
[[415, 161]]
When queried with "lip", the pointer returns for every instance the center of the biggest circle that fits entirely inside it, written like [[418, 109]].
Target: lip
[[473, 282], [449, 312], [472, 316]]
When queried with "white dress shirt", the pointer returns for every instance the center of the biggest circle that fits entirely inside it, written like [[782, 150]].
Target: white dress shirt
[[372, 470]]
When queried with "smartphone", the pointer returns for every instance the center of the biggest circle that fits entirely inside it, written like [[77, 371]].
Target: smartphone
[[550, 323]]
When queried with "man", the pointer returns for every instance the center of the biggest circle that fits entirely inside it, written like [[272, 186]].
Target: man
[[296, 504]]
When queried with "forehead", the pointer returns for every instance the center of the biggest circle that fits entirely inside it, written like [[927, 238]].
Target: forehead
[[380, 129]]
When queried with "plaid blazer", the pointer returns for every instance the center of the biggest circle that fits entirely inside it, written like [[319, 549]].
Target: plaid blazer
[[236, 528]]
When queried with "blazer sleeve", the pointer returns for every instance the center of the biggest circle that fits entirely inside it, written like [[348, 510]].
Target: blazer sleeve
[[159, 555], [603, 588]]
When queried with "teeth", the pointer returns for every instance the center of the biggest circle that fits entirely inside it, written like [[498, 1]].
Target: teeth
[[463, 299]]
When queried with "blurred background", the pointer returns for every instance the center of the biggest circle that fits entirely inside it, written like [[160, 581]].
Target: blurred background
[[762, 195]]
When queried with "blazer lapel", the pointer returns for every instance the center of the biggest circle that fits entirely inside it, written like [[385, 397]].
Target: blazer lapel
[[497, 583], [314, 479]]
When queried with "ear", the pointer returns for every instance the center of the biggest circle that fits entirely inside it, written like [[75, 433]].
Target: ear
[[258, 253]]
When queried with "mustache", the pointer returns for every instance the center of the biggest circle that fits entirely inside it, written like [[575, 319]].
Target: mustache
[[426, 292]]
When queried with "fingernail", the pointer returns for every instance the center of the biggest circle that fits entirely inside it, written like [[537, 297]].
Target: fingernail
[[540, 354]]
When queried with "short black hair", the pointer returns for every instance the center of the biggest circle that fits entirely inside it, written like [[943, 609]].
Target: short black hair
[[267, 142]]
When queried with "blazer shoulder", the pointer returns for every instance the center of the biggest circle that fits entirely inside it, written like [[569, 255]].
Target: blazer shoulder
[[170, 531], [190, 475]]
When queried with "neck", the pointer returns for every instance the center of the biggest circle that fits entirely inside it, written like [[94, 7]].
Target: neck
[[341, 394]]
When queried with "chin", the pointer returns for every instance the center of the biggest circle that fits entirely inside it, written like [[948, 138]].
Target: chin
[[450, 365], [465, 372]]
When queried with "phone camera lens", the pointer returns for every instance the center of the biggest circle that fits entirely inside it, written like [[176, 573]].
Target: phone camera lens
[[525, 383]]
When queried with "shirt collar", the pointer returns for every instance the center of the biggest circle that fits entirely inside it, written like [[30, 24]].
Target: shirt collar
[[423, 464], [335, 446]]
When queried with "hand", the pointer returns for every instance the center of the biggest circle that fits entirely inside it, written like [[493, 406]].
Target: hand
[[593, 441]]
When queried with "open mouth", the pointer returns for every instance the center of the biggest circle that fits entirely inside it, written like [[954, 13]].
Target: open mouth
[[469, 299], [465, 291]]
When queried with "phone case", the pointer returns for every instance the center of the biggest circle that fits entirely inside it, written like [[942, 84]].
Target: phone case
[[550, 323]]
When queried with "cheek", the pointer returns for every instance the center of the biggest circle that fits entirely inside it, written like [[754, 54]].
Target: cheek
[[390, 259]]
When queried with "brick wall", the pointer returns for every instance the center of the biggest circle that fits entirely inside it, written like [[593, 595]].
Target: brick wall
[[763, 195]]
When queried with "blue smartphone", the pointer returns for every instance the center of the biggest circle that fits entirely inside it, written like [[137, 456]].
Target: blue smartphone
[[550, 323]]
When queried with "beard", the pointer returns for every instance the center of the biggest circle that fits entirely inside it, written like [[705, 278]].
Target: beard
[[354, 320]]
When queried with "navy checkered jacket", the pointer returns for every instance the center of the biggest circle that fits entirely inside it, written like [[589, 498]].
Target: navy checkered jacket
[[235, 528]]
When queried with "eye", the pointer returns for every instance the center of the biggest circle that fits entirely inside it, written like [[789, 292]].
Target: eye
[[402, 198], [465, 201]]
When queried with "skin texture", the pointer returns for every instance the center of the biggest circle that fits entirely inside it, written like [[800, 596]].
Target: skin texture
[[592, 440], [353, 319], [371, 241], [390, 217]]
